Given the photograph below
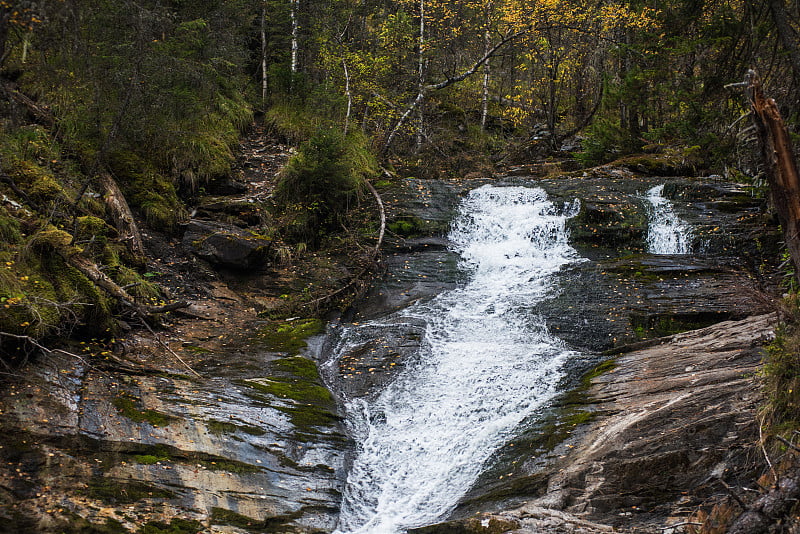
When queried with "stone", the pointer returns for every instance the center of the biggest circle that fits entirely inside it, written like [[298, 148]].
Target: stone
[[225, 245]]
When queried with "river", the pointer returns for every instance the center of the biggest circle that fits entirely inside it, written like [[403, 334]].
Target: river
[[484, 364]]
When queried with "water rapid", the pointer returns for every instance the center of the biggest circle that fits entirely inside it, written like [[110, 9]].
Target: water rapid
[[485, 363], [666, 233]]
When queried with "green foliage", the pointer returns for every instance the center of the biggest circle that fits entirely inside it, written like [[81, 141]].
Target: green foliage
[[781, 373], [321, 182], [605, 141], [292, 122]]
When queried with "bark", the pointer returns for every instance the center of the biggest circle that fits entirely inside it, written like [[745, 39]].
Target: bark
[[295, 14], [264, 55], [121, 215], [781, 165], [91, 271], [348, 95]]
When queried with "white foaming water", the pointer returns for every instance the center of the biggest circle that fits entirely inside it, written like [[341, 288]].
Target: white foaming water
[[485, 364], [666, 233]]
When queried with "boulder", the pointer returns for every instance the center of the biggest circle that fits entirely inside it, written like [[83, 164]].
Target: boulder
[[225, 245]]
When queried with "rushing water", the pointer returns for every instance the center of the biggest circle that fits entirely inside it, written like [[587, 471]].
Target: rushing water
[[666, 233], [485, 363]]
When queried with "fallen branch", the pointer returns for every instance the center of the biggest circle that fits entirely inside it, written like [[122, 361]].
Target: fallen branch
[[374, 192], [174, 354], [91, 271]]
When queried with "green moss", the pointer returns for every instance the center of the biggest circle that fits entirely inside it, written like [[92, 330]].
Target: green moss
[[10, 228], [80, 525], [297, 380], [231, 466], [112, 491], [149, 459], [223, 516], [175, 526], [148, 190], [290, 337], [219, 428], [127, 407]]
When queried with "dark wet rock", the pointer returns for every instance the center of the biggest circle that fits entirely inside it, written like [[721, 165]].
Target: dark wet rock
[[609, 303], [374, 356], [227, 186], [226, 245], [240, 213]]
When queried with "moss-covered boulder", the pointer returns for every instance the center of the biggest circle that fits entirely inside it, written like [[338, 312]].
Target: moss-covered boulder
[[225, 245]]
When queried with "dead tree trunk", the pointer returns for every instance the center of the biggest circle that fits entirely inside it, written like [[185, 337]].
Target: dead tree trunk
[[123, 218], [780, 163]]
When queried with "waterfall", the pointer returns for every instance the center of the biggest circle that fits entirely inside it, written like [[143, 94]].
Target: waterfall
[[485, 364], [666, 233]]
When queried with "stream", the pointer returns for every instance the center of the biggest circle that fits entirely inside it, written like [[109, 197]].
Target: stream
[[666, 234], [485, 362]]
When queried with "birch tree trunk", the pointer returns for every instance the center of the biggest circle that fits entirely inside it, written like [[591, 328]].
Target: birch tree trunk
[[487, 44], [264, 54], [420, 75], [295, 13]]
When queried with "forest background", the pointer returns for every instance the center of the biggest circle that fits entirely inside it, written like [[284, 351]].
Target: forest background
[[145, 102]]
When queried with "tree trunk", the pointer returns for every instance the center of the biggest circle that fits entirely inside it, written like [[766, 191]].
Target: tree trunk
[[123, 218], [295, 14], [5, 17], [420, 75], [781, 166], [264, 55]]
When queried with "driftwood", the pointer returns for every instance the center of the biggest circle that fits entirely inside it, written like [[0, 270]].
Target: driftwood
[[781, 166], [121, 215]]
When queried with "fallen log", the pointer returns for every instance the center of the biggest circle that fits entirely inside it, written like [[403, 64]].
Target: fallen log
[[122, 216]]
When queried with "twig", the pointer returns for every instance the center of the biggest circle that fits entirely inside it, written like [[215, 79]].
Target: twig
[[764, 450], [788, 443], [733, 494], [158, 338]]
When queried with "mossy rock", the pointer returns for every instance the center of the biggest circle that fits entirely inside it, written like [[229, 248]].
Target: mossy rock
[[296, 380], [175, 526], [279, 523], [290, 337], [112, 491], [412, 226], [128, 407], [615, 225]]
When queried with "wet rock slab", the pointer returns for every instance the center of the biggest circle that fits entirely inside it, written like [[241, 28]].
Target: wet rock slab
[[668, 422], [137, 446]]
